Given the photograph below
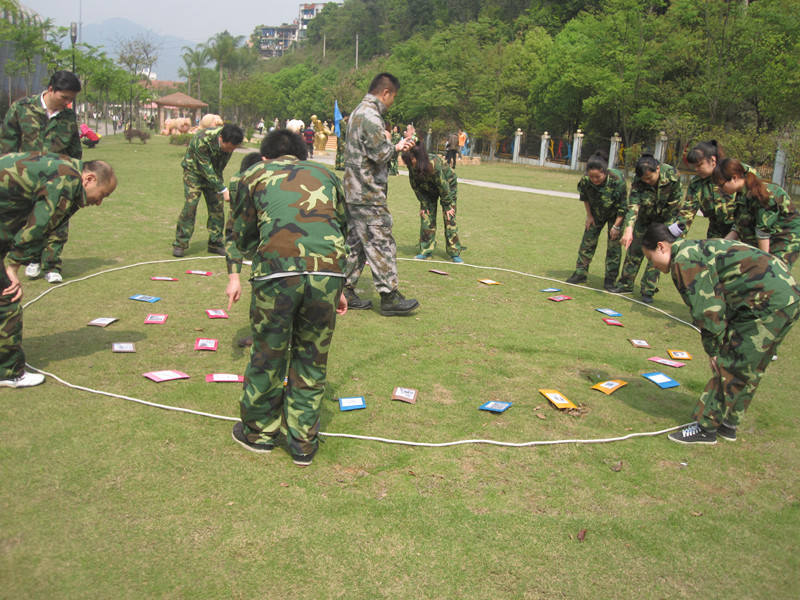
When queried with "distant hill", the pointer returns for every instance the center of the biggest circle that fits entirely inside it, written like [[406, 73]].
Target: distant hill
[[108, 33]]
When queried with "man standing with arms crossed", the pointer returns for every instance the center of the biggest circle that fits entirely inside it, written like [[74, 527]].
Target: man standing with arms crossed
[[368, 150]]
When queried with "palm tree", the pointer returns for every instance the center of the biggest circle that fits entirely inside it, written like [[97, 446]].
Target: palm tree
[[194, 59], [221, 49]]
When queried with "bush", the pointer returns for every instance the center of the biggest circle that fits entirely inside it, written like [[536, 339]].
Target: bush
[[130, 134], [249, 133], [180, 139]]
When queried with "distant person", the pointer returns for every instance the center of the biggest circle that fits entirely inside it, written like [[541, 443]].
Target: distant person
[[206, 157], [395, 138], [89, 137], [339, 163], [462, 142], [46, 122], [451, 150], [308, 136], [368, 151], [703, 194], [38, 193]]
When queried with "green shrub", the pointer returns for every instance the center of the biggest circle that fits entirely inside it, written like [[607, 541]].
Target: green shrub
[[180, 139]]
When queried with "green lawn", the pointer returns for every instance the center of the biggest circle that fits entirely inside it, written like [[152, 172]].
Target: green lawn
[[105, 498]]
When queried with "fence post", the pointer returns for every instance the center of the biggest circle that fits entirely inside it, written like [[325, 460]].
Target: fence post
[[613, 151], [779, 172], [543, 149], [517, 143], [577, 146], [661, 147]]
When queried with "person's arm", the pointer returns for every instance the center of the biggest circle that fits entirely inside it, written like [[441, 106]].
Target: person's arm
[[631, 215], [681, 210], [14, 288], [234, 289], [11, 135], [246, 234], [378, 148], [203, 155]]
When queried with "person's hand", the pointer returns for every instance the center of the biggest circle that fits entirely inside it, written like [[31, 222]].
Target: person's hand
[[15, 289], [226, 195], [405, 144], [342, 309], [589, 222], [615, 233], [450, 213], [627, 237], [423, 212], [234, 289]]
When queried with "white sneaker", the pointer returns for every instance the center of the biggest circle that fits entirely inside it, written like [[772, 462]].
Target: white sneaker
[[27, 380], [53, 277], [33, 270]]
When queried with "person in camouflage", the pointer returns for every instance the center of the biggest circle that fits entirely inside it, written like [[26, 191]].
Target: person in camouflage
[[605, 198], [764, 211], [703, 195], [289, 216], [45, 123], [394, 139], [205, 159], [38, 193], [656, 197], [433, 181], [366, 165], [744, 301], [339, 166]]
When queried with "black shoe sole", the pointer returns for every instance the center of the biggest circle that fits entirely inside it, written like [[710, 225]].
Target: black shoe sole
[[365, 306], [257, 448], [399, 313]]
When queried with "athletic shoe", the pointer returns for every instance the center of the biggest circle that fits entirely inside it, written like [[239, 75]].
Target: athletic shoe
[[178, 252], [647, 298], [457, 259], [394, 304], [33, 270], [25, 380], [422, 256], [726, 432], [240, 437], [53, 277], [694, 434], [303, 460], [577, 278], [213, 249], [354, 302], [620, 290]]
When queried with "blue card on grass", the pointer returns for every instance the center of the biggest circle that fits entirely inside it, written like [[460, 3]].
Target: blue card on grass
[[145, 298], [495, 406], [550, 290], [609, 312], [353, 403], [661, 380]]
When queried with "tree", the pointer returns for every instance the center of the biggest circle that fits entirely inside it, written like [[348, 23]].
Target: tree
[[195, 59], [222, 50], [138, 55]]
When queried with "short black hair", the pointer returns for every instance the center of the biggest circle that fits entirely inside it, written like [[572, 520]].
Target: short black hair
[[232, 134], [384, 81], [65, 81], [704, 151], [249, 160], [283, 142]]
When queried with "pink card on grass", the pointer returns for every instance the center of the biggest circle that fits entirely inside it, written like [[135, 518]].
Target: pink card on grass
[[559, 298], [613, 322], [159, 376], [204, 273], [155, 319], [206, 344], [666, 361], [216, 314], [224, 378]]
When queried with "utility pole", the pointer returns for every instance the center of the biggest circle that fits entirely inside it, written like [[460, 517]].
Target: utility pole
[[356, 52]]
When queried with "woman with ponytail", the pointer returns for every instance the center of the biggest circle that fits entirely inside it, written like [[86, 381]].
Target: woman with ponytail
[[703, 195], [765, 213]]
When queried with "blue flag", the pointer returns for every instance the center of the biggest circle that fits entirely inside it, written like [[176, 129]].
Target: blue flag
[[337, 116]]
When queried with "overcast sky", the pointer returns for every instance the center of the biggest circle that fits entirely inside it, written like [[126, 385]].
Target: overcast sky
[[192, 20]]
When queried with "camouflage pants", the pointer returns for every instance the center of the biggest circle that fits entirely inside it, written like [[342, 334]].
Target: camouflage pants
[[193, 188], [786, 250], [292, 320], [633, 260], [589, 244], [12, 359], [53, 247], [744, 356], [393, 168], [339, 166], [427, 229], [370, 239]]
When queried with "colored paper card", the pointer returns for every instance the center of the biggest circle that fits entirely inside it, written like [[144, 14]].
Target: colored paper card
[[159, 376], [405, 395], [610, 386], [102, 321], [206, 344], [639, 343], [680, 354], [123, 347], [557, 399], [163, 279], [247, 262], [217, 314], [353, 403], [145, 298], [661, 380], [559, 298], [495, 406], [438, 272], [224, 378], [489, 281], [204, 273], [609, 312], [550, 290], [667, 362], [155, 319], [613, 322]]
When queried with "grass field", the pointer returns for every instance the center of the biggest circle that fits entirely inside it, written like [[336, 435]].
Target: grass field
[[104, 498]]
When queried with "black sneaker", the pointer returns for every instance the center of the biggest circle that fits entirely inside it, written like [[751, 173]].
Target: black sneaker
[[694, 434], [394, 304], [647, 298], [354, 302], [576, 278], [620, 290], [240, 437], [178, 252], [214, 249], [726, 432], [303, 460]]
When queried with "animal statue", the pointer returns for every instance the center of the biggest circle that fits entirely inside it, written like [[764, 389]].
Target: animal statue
[[295, 125], [211, 120], [178, 125]]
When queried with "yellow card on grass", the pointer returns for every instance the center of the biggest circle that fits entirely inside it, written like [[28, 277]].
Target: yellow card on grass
[[489, 281], [607, 387], [679, 355], [557, 399]]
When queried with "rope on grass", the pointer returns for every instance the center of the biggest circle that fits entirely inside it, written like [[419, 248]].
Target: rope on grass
[[349, 435]]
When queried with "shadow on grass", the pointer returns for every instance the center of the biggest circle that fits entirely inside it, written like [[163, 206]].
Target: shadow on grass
[[78, 267], [42, 350]]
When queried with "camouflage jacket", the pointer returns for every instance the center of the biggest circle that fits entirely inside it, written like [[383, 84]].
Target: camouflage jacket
[[663, 203], [606, 201], [367, 153], [779, 222], [442, 183], [38, 192], [719, 209], [725, 281], [28, 129], [205, 158], [289, 216]]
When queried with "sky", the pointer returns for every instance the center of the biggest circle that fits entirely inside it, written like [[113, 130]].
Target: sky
[[192, 20]]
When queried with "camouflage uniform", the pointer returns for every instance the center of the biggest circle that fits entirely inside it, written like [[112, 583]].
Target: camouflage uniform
[[202, 165], [27, 128], [366, 166], [648, 205], [703, 195], [442, 185], [393, 167], [339, 166], [744, 301], [607, 203], [38, 193], [289, 216], [779, 222]]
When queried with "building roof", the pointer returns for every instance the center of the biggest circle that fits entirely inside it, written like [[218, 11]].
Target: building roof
[[180, 100]]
